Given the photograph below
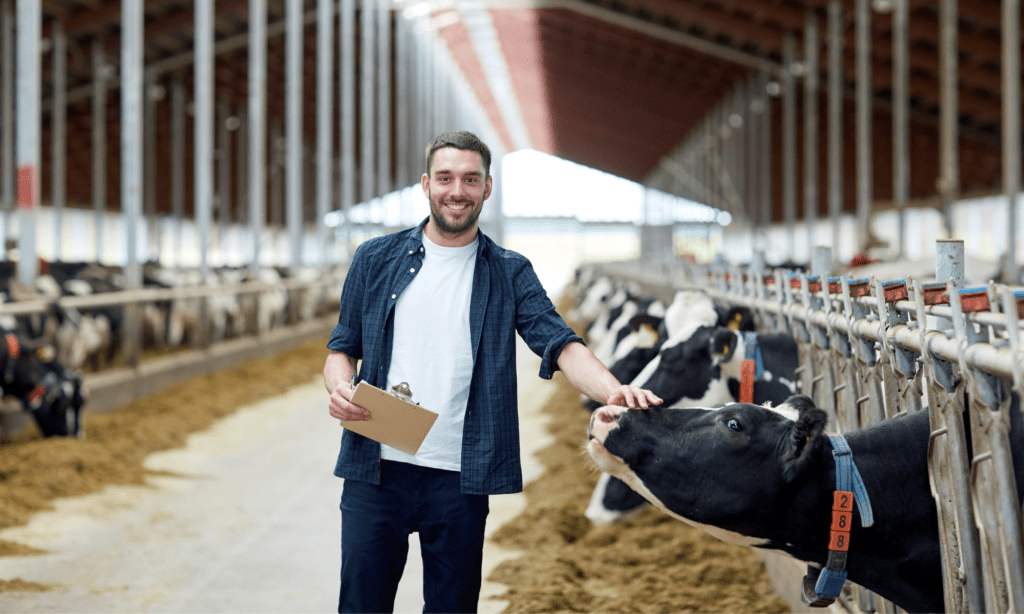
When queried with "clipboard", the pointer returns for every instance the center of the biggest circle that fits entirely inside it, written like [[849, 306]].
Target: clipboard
[[393, 420]]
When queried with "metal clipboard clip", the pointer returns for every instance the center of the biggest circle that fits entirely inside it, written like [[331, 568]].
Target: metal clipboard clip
[[402, 391]]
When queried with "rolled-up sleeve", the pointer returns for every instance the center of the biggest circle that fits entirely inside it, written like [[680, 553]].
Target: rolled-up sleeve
[[538, 323], [347, 336]]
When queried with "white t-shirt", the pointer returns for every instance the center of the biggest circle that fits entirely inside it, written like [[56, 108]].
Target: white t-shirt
[[432, 350]]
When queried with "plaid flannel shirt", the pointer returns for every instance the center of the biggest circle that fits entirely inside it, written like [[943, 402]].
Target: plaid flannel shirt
[[507, 297]]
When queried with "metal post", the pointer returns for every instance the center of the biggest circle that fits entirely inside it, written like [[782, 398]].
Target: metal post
[[223, 177], [203, 144], [949, 114], [99, 142], [789, 138], [150, 94], [293, 122], [177, 163], [366, 96], [257, 125], [900, 113], [28, 146], [835, 118], [6, 121], [347, 83], [766, 158], [402, 107], [58, 134], [384, 184], [864, 175], [811, 127], [132, 152], [1011, 132], [324, 115], [242, 167]]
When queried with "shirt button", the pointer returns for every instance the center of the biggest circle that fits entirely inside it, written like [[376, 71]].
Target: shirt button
[[413, 270], [410, 251], [394, 296]]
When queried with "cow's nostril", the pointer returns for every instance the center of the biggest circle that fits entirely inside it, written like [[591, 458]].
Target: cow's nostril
[[607, 415]]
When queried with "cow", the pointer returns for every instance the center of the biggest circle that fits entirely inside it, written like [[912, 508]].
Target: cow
[[30, 373], [701, 365], [765, 477]]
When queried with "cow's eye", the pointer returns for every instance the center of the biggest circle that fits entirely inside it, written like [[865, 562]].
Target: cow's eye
[[734, 424]]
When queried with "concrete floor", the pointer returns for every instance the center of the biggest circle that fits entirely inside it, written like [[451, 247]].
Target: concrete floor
[[249, 523]]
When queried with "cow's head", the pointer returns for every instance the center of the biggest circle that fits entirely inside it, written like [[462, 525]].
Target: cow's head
[[728, 469], [687, 369], [51, 393]]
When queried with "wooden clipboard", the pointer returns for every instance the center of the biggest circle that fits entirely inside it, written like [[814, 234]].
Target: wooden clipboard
[[393, 421]]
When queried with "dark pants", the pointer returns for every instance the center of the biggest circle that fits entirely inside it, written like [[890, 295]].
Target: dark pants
[[375, 525]]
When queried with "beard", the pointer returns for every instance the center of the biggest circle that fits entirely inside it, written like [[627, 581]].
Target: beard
[[449, 227]]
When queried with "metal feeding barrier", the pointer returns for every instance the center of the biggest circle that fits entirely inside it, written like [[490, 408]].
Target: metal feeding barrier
[[870, 349]]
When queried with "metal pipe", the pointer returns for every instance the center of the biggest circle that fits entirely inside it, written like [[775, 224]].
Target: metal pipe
[[384, 183], [865, 195], [99, 142], [132, 153], [149, 157], [242, 167], [402, 106], [203, 142], [1011, 132], [293, 128], [324, 120], [257, 126], [223, 145], [835, 119], [6, 120], [367, 71], [347, 83], [59, 134], [28, 146], [789, 138], [900, 112], [766, 158], [177, 163], [949, 114], [811, 128]]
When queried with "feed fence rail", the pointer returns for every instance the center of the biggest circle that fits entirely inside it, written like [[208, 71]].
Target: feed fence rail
[[871, 349]]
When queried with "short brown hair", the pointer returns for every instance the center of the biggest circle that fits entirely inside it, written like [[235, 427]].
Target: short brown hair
[[459, 139]]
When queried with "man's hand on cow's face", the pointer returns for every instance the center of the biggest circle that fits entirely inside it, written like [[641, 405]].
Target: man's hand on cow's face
[[633, 397], [341, 406]]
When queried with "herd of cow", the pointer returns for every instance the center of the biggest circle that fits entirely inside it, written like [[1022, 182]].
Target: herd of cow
[[45, 353], [751, 464]]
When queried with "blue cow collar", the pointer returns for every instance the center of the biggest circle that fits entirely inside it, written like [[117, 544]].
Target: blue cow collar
[[849, 489]]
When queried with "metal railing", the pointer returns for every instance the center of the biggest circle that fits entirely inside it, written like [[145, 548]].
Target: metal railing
[[870, 349]]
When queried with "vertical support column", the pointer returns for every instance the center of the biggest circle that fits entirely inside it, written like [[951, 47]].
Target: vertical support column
[[384, 183], [223, 177], [293, 123], [6, 120], [257, 125], [766, 159], [402, 107], [347, 83], [1011, 132], [29, 25], [788, 138], [151, 92], [900, 121], [99, 142], [864, 141], [367, 71], [811, 128], [202, 146], [324, 120], [835, 119], [132, 152], [177, 164], [242, 169], [58, 135], [949, 112]]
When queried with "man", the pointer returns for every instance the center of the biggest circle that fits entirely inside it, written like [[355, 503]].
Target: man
[[438, 306]]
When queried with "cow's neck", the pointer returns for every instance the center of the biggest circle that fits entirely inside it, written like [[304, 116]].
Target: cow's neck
[[886, 557]]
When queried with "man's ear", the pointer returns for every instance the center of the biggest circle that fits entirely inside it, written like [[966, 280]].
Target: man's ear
[[425, 184], [487, 186], [798, 451]]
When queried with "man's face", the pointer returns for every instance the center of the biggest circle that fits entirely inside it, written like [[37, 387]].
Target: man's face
[[457, 189]]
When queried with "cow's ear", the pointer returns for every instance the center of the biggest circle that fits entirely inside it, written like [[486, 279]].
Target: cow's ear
[[723, 344], [798, 451]]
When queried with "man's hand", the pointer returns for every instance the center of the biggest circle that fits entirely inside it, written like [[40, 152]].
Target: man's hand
[[633, 397], [341, 406]]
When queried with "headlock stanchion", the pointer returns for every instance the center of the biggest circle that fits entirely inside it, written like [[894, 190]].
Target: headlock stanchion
[[871, 348]]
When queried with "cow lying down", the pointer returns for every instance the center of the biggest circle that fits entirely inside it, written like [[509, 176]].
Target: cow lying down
[[765, 477]]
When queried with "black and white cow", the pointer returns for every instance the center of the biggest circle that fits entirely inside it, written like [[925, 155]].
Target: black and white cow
[[51, 393], [765, 477], [701, 366]]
